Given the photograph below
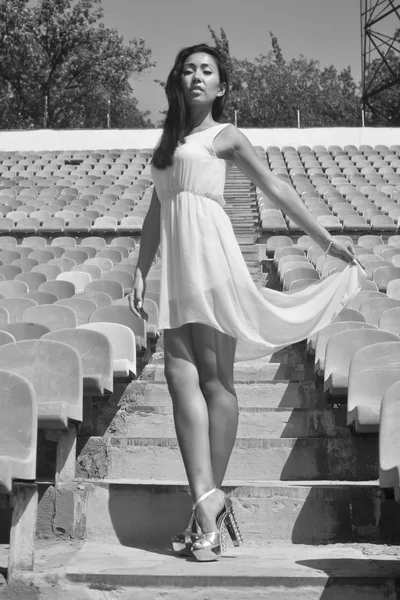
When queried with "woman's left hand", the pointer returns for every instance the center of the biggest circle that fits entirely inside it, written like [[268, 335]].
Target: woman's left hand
[[344, 252]]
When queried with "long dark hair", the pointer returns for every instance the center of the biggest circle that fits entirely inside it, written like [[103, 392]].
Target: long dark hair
[[176, 120]]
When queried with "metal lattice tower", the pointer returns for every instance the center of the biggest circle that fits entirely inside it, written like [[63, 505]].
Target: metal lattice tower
[[380, 39]]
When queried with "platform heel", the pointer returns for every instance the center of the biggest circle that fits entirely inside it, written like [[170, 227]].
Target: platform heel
[[233, 527], [210, 546]]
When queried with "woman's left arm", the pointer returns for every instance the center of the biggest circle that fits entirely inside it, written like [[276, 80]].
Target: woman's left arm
[[238, 148]]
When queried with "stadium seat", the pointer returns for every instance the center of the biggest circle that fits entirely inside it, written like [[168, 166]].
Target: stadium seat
[[78, 278], [36, 242], [150, 307], [393, 289], [111, 287], [372, 370], [124, 316], [105, 264], [95, 351], [389, 440], [25, 330], [372, 308], [83, 307], [93, 271], [25, 264], [95, 241], [49, 271], [13, 289], [33, 280], [122, 341], [383, 275], [55, 371], [326, 334], [124, 278], [79, 255], [340, 350], [52, 316], [295, 274], [68, 243], [18, 442], [390, 320], [100, 298], [130, 224], [7, 257], [62, 289], [43, 256]]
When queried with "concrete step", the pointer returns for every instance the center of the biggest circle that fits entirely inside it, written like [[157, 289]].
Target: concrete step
[[276, 572], [147, 513], [285, 459], [254, 422], [252, 395], [263, 371]]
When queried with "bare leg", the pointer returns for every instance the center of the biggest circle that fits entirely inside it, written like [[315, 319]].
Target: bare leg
[[215, 352], [190, 408]]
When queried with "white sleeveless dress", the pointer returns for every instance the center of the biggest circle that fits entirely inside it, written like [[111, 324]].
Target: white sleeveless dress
[[204, 277]]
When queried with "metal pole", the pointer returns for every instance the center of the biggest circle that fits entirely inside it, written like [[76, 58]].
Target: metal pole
[[109, 114], [236, 112], [363, 117], [298, 118], [46, 111]]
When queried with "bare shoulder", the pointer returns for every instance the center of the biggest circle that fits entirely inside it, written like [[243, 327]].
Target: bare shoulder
[[229, 141]]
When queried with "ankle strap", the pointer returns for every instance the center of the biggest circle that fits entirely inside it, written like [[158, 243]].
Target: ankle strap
[[203, 497]]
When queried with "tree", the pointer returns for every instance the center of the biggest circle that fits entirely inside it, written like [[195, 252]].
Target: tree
[[59, 65], [269, 91]]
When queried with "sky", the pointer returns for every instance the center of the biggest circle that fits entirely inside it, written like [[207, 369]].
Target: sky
[[326, 30]]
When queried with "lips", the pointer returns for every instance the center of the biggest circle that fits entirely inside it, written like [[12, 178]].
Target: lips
[[196, 89]]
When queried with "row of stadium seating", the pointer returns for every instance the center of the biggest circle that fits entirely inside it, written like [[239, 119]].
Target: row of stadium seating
[[74, 193], [358, 355], [67, 336], [348, 190]]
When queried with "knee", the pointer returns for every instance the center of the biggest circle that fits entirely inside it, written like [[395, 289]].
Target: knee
[[213, 388], [179, 377]]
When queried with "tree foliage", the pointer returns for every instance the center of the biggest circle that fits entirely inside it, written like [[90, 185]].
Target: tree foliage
[[268, 91], [59, 66]]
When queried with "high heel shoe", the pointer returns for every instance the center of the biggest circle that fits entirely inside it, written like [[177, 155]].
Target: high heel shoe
[[210, 546], [182, 542]]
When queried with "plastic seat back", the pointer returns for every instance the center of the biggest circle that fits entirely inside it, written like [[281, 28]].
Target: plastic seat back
[[340, 350], [372, 370], [374, 307], [389, 440], [96, 355], [18, 430], [113, 288], [52, 316], [122, 340], [83, 307], [16, 307], [124, 316], [26, 331], [62, 289], [55, 371], [79, 279], [390, 320]]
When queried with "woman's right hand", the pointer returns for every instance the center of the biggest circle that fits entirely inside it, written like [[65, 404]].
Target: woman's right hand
[[344, 252], [136, 297]]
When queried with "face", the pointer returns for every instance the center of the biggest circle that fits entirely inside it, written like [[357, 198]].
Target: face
[[200, 71]]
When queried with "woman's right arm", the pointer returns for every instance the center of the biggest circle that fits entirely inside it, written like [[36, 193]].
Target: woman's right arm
[[149, 242]]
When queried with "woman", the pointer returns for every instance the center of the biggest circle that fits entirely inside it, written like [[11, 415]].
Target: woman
[[210, 310]]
